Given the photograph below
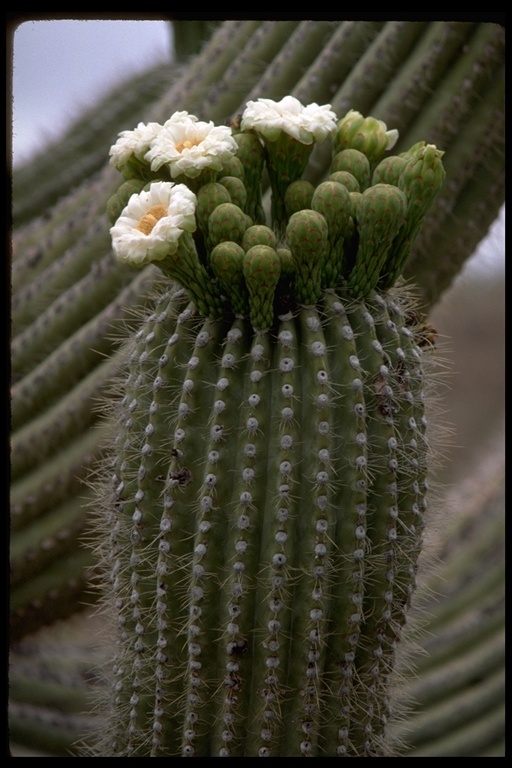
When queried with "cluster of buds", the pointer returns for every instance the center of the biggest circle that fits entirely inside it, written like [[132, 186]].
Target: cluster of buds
[[193, 203]]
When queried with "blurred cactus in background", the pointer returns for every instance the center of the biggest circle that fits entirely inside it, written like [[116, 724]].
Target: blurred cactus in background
[[295, 254]]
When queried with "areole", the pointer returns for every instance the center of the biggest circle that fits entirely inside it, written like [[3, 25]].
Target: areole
[[266, 495]]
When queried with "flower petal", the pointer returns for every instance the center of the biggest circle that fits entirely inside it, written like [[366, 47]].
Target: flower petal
[[135, 247], [133, 143], [188, 145], [306, 124]]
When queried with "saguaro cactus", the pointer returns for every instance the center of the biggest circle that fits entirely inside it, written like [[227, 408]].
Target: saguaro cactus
[[268, 481], [70, 299]]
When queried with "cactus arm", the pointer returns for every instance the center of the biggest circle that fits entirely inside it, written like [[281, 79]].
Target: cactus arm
[[336, 59], [75, 357], [58, 170], [38, 243], [50, 483], [59, 591], [439, 120], [62, 274], [46, 540], [280, 76], [50, 430], [387, 51], [425, 69], [266, 41]]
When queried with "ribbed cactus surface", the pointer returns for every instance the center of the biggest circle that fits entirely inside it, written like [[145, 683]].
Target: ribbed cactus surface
[[442, 82], [265, 502], [267, 513]]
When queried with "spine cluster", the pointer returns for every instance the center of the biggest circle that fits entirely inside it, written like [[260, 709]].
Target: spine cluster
[[267, 508]]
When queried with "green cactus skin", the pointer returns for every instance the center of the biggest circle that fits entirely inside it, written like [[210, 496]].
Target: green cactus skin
[[280, 77], [462, 214], [265, 502], [266, 512], [457, 697]]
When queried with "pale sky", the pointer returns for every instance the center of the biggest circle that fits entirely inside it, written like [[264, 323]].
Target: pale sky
[[59, 67]]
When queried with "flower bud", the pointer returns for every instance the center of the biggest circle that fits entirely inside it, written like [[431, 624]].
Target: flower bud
[[262, 269], [421, 180], [258, 234], [333, 201], [307, 235], [118, 202], [209, 197], [347, 179], [236, 189], [227, 222], [388, 170], [380, 214], [226, 261], [355, 162], [367, 134], [298, 196]]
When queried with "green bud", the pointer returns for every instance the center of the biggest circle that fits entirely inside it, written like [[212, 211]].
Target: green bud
[[236, 189], [367, 134], [355, 162], [307, 234], [421, 180], [252, 157], [118, 201], [287, 262], [250, 153], [298, 196], [262, 269], [413, 150], [380, 214], [232, 166], [227, 222], [136, 168], [287, 159], [347, 179], [258, 234], [226, 261], [209, 197], [333, 201], [388, 170]]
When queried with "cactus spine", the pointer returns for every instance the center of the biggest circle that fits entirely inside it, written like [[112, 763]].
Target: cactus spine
[[266, 495], [50, 235]]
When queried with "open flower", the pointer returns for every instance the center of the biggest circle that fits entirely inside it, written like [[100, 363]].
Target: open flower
[[133, 144], [306, 124], [188, 146], [152, 223]]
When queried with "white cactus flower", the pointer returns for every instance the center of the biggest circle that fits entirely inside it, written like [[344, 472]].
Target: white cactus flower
[[306, 124], [152, 223], [188, 146], [133, 143]]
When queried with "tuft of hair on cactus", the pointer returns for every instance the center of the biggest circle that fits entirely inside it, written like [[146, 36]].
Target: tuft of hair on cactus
[[265, 495]]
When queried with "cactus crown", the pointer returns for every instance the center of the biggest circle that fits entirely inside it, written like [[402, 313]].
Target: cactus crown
[[200, 214]]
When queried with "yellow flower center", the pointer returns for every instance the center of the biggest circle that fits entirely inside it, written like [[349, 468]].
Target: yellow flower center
[[187, 144], [149, 219]]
